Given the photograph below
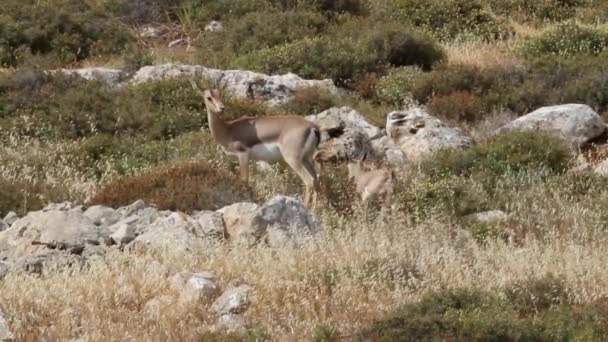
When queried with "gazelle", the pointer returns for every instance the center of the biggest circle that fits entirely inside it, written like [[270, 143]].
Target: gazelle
[[271, 139], [372, 183]]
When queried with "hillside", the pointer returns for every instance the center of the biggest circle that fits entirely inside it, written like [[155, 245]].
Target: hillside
[[123, 218]]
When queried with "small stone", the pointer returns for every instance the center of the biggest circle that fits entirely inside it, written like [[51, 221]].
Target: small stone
[[232, 324], [234, 300], [214, 26], [194, 287], [5, 332], [491, 216]]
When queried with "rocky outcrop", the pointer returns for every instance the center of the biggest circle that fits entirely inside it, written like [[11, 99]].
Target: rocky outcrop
[[10, 218], [110, 77], [275, 89], [576, 124], [414, 135], [281, 220], [345, 135]]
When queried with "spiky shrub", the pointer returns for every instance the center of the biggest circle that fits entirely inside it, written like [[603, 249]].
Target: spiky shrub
[[185, 187]]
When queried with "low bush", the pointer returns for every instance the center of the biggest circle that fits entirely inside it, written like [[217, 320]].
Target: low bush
[[537, 294], [185, 187], [518, 151], [539, 10], [344, 58], [457, 107], [69, 30], [447, 19], [27, 195], [397, 85], [566, 39], [474, 315], [311, 100]]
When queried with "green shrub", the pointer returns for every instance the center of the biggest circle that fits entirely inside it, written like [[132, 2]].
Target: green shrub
[[535, 295], [344, 58], [566, 39], [538, 10], [69, 30], [447, 19], [25, 195], [397, 85], [507, 153], [471, 315], [311, 100], [185, 187]]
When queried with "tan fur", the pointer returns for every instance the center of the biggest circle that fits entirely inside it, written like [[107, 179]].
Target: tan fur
[[370, 183], [290, 138]]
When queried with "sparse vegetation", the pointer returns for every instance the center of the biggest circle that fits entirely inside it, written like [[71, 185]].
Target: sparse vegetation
[[426, 271]]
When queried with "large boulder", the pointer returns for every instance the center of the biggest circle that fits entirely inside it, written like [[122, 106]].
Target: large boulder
[[275, 89], [59, 226], [280, 220], [239, 220], [345, 134], [110, 77], [414, 135], [576, 124], [176, 232], [102, 215]]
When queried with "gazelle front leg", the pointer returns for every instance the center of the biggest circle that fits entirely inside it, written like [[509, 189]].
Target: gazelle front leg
[[244, 166]]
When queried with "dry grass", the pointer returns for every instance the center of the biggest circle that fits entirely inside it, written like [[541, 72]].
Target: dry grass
[[295, 292]]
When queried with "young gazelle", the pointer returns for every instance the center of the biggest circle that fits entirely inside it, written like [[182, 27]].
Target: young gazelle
[[372, 183], [271, 139]]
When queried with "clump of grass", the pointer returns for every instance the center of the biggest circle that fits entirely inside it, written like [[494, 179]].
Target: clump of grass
[[186, 187]]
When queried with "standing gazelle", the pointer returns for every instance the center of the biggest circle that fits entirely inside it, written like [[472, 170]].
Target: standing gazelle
[[271, 139]]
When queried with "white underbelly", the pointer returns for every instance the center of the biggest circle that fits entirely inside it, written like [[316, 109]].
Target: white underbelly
[[267, 152]]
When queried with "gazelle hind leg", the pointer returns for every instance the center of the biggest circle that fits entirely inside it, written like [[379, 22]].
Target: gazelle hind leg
[[309, 165], [309, 179]]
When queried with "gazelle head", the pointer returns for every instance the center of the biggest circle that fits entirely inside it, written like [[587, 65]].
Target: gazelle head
[[355, 166], [213, 100], [212, 97]]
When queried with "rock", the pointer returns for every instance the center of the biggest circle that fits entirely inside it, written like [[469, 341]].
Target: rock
[[123, 235], [174, 232], [239, 220], [10, 218], [47, 260], [4, 269], [3, 225], [274, 90], [102, 215], [59, 206], [232, 324], [576, 124], [414, 135], [214, 26], [5, 332], [110, 77], [234, 300], [211, 223], [346, 145], [601, 168], [491, 216], [286, 219], [132, 208], [149, 31], [70, 227], [194, 287], [345, 118], [154, 307], [281, 220]]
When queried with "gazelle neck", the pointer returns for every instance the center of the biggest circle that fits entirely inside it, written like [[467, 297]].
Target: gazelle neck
[[218, 127]]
